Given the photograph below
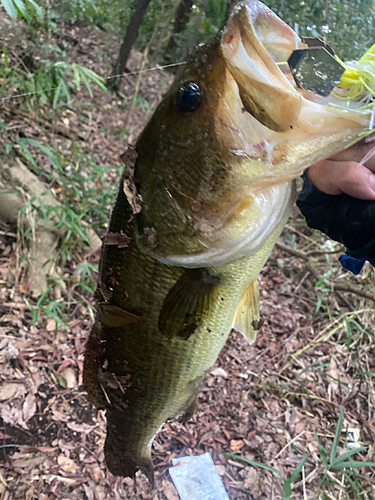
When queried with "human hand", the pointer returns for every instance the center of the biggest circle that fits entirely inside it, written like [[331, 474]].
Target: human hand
[[342, 173]]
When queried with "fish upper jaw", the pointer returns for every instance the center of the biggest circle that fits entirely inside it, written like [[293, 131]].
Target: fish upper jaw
[[250, 53]]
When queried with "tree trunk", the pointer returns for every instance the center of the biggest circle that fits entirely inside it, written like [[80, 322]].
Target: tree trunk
[[182, 18], [127, 44], [155, 53], [192, 41], [19, 187]]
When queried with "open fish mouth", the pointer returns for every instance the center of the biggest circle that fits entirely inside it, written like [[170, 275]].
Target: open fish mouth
[[255, 46], [253, 42]]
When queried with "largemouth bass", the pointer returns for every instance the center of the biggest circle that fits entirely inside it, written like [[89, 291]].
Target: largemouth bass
[[203, 198]]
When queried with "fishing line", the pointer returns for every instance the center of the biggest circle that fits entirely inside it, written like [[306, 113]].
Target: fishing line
[[368, 156], [3, 99]]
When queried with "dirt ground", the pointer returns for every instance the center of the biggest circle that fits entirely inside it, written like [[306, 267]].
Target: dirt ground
[[267, 402]]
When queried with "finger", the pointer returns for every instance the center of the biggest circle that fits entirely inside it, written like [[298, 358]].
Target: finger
[[356, 153], [336, 177]]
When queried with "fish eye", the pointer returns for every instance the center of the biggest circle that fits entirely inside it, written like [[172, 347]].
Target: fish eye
[[188, 97]]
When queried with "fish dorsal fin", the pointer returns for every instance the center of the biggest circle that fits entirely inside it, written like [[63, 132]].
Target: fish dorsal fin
[[246, 318]]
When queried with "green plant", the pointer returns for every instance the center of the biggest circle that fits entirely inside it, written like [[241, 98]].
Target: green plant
[[82, 10], [52, 308], [288, 481], [86, 188], [28, 10], [44, 76], [57, 308], [51, 81], [331, 463]]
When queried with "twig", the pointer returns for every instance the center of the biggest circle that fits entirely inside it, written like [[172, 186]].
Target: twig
[[6, 233], [288, 444], [322, 337], [3, 480], [334, 286], [300, 233], [304, 483], [301, 255]]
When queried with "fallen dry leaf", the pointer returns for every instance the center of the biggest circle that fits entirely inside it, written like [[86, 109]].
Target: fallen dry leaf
[[29, 407], [236, 444], [51, 325], [30, 492], [70, 377], [12, 414], [29, 462], [95, 472], [252, 482], [169, 491], [220, 469], [8, 391], [85, 428], [67, 464], [219, 372]]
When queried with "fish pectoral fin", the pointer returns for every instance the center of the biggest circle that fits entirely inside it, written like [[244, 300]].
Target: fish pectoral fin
[[247, 314], [187, 303]]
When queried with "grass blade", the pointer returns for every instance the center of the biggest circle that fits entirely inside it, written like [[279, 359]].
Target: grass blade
[[352, 465], [322, 450], [337, 436], [251, 462], [287, 489], [298, 469], [348, 454]]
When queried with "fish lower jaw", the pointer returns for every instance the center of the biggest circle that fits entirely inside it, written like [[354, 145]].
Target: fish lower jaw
[[274, 207]]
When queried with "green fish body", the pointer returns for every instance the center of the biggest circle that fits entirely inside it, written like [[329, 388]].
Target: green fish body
[[203, 198]]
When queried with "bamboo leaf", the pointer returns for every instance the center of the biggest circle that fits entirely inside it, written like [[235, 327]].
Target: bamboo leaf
[[287, 489], [298, 469], [348, 454], [22, 8], [352, 465], [38, 11], [10, 8]]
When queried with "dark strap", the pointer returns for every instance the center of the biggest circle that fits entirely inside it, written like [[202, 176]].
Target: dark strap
[[343, 218]]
